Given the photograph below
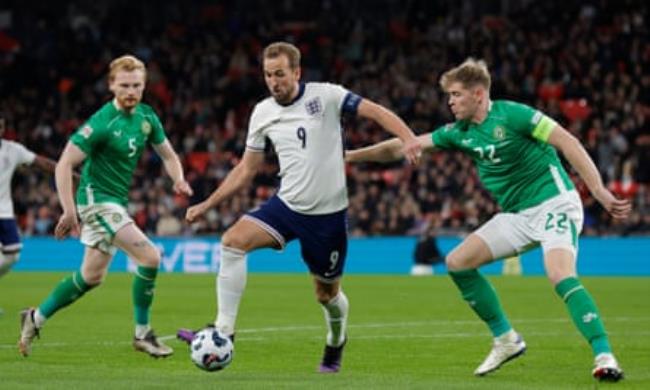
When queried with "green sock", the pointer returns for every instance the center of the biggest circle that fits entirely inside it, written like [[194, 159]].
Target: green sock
[[482, 298], [143, 284], [67, 291], [584, 313]]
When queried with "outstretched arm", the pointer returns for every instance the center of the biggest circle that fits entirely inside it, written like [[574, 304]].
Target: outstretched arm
[[577, 156], [241, 176], [70, 158], [410, 145], [44, 163], [386, 151], [48, 165], [173, 167]]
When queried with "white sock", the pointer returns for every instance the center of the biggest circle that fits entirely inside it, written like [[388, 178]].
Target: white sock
[[39, 318], [508, 337], [336, 318], [141, 331], [231, 283], [7, 261]]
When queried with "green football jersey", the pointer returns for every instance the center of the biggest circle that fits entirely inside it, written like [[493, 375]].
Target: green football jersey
[[515, 163], [113, 142]]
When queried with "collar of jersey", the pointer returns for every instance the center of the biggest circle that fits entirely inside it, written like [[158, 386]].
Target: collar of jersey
[[467, 123], [117, 108], [301, 91]]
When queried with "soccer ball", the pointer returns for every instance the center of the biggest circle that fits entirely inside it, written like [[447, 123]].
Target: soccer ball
[[210, 350]]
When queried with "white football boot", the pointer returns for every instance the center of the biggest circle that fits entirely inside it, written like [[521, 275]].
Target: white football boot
[[506, 347], [606, 368]]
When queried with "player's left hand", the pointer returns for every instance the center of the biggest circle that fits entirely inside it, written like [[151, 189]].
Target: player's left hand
[[412, 150], [193, 213], [618, 208], [183, 187], [68, 225]]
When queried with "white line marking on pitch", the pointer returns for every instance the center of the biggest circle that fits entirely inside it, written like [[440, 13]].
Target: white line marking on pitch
[[414, 324]]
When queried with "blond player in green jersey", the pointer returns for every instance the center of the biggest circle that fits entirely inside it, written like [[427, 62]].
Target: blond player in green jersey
[[109, 146], [514, 148]]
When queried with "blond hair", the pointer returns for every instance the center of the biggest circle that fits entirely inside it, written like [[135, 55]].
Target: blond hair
[[470, 73], [127, 63], [277, 49]]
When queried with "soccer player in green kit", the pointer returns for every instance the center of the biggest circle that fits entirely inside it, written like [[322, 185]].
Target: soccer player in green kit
[[514, 148], [109, 145]]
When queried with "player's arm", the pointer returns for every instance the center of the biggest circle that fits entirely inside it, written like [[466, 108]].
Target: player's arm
[[44, 163], [173, 167], [71, 157], [577, 156], [241, 176], [386, 151], [411, 147], [48, 165]]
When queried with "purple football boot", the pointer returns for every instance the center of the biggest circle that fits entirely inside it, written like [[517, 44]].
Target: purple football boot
[[185, 335], [331, 362]]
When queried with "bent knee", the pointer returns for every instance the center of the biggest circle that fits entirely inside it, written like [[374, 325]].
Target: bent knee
[[94, 278], [151, 258], [11, 258], [324, 297], [456, 263], [325, 293], [235, 241]]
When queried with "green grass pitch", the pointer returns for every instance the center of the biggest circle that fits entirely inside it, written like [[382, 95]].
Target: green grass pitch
[[404, 333]]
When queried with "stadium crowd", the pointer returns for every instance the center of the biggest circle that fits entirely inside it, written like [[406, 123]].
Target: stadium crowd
[[586, 66]]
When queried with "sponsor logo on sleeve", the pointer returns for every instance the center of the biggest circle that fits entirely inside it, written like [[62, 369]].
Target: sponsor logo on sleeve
[[86, 131], [536, 118]]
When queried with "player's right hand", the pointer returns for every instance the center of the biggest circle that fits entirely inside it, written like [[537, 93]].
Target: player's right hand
[[67, 225], [195, 212], [412, 150]]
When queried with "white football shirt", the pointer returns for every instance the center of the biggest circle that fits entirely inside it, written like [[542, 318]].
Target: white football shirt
[[308, 139], [12, 154]]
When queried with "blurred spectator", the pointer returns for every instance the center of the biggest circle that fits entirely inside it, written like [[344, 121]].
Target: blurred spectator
[[426, 253], [589, 70], [168, 224]]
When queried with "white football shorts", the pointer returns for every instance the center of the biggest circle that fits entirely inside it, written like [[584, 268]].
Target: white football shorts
[[99, 224], [555, 223]]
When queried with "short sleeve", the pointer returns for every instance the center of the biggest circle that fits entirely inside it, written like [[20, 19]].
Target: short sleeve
[[529, 121], [255, 139], [347, 102], [442, 137], [24, 155], [157, 135], [89, 135]]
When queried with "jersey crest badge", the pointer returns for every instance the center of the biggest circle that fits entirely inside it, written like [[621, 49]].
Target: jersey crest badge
[[146, 128], [499, 133], [117, 218], [86, 131], [314, 106]]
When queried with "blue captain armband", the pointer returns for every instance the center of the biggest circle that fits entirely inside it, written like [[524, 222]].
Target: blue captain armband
[[351, 103]]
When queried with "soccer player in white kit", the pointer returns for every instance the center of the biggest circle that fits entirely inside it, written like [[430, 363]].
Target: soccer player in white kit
[[12, 156], [303, 123]]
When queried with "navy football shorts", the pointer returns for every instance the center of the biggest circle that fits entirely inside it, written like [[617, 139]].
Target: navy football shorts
[[323, 238]]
